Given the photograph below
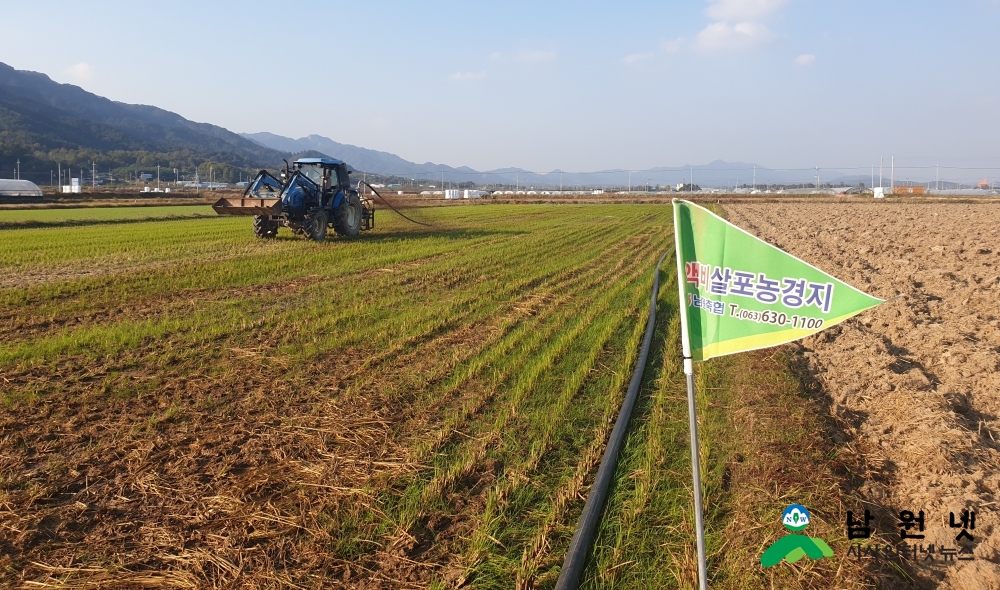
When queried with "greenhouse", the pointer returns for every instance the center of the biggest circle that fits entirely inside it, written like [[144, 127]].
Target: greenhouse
[[19, 188]]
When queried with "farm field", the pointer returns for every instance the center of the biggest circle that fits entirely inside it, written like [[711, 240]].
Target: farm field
[[35, 217], [186, 406], [915, 383]]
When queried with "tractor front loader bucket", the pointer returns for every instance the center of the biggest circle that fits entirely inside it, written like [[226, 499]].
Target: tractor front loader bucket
[[241, 206]]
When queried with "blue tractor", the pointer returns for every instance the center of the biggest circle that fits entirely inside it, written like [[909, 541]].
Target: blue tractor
[[310, 196]]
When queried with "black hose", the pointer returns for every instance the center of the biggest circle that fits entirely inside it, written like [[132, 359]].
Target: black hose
[[593, 509], [389, 205]]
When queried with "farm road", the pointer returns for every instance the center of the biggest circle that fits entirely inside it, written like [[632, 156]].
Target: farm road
[[914, 383]]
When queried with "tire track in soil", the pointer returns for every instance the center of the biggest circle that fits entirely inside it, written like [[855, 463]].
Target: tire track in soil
[[914, 383]]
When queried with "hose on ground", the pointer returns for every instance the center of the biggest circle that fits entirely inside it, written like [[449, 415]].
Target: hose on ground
[[593, 509], [389, 205]]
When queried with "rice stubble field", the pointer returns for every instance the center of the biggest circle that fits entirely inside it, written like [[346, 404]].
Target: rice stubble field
[[186, 406]]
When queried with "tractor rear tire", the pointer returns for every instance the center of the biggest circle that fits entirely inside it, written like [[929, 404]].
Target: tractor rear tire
[[265, 228], [315, 226], [347, 218]]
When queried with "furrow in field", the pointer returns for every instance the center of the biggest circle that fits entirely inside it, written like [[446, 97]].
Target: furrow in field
[[207, 324], [183, 286], [515, 498], [537, 551], [474, 452]]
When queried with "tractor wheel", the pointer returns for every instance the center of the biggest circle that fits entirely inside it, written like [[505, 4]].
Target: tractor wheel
[[349, 216], [315, 226], [264, 228]]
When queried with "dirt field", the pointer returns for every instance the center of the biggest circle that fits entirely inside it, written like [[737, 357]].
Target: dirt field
[[915, 383]]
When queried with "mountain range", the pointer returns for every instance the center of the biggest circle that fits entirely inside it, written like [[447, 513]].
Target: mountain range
[[44, 124], [714, 174]]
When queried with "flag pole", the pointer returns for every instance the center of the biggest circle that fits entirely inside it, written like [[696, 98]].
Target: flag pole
[[692, 412], [696, 473]]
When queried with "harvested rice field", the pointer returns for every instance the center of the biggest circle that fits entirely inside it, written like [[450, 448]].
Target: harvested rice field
[[184, 406]]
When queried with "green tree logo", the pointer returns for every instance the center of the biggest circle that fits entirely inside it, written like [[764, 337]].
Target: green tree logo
[[794, 547]]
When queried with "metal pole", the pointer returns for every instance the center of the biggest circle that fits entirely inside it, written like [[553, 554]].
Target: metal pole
[[696, 476], [692, 416]]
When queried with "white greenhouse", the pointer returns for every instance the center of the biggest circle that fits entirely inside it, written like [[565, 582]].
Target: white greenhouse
[[19, 188]]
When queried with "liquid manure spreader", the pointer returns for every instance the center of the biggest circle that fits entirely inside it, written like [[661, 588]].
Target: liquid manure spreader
[[312, 195]]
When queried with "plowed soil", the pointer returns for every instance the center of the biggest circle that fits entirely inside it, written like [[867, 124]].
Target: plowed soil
[[913, 384]]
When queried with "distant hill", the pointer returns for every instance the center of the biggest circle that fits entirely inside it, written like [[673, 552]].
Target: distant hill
[[42, 122], [363, 159], [714, 174]]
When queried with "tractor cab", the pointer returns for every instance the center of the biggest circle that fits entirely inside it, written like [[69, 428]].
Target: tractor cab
[[327, 173]]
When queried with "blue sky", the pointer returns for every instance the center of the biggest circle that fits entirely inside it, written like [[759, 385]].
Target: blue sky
[[543, 85]]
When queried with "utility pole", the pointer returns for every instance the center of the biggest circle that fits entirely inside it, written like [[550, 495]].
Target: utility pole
[[892, 175], [881, 160], [630, 180], [937, 177], [93, 174], [19, 169], [157, 177]]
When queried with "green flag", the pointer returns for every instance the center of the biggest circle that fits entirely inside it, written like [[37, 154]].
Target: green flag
[[740, 293]]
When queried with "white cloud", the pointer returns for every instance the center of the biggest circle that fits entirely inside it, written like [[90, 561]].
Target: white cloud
[[743, 10], [739, 37], [673, 46], [536, 55], [638, 57], [665, 47], [496, 55], [81, 72], [467, 76], [805, 60]]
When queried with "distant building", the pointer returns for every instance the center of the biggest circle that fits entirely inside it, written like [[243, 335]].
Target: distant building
[[19, 188], [72, 187], [452, 193], [908, 190], [145, 176], [474, 194]]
